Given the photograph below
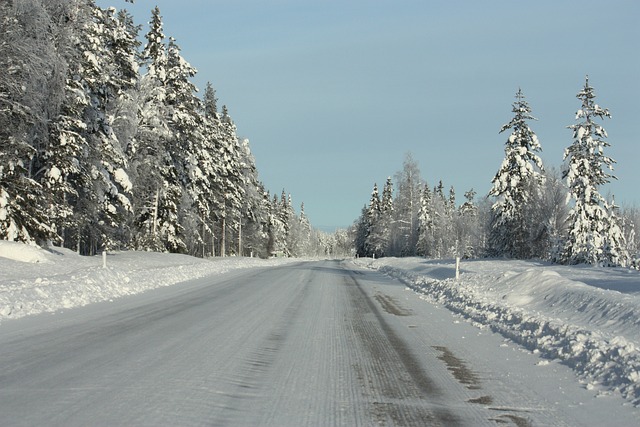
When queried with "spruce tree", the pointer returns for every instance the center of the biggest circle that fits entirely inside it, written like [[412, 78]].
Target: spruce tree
[[466, 225], [594, 236], [518, 176], [110, 71], [25, 60], [383, 226], [158, 191], [424, 246], [360, 233], [374, 244], [277, 228]]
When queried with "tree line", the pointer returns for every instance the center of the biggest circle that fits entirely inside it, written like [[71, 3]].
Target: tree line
[[104, 143], [530, 212]]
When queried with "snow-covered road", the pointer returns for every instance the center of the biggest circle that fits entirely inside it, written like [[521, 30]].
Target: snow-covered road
[[312, 343]]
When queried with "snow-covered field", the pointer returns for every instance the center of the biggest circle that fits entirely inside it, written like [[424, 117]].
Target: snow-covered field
[[34, 280], [587, 318]]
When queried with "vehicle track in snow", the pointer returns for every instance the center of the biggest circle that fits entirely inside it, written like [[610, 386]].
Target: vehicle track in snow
[[400, 391]]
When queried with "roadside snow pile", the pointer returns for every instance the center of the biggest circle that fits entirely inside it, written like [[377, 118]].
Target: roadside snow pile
[[577, 315], [25, 253], [34, 280]]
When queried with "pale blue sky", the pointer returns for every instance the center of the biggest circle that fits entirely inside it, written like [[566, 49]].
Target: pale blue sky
[[332, 94]]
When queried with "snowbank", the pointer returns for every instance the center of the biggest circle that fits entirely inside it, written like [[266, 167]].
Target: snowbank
[[25, 253], [34, 280], [588, 318]]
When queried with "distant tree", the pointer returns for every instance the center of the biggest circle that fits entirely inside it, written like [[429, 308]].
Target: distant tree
[[375, 242], [548, 214], [443, 241], [277, 228], [232, 178], [425, 223], [631, 223], [466, 225], [360, 231], [615, 246], [252, 218], [514, 185], [210, 102], [593, 236], [381, 229], [406, 207]]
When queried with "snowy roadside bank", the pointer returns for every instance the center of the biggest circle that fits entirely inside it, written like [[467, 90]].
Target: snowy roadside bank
[[34, 280], [587, 318]]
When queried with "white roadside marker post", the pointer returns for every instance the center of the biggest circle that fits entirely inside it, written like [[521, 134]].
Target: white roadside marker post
[[457, 268], [104, 259]]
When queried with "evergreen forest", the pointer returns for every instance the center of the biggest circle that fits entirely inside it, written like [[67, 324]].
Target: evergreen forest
[[105, 144], [531, 212]]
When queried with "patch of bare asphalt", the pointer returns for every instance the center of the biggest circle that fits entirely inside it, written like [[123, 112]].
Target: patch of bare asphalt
[[458, 368], [509, 418], [470, 379], [482, 400], [391, 306]]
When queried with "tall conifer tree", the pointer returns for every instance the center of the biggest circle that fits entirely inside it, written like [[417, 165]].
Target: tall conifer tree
[[594, 236], [518, 176]]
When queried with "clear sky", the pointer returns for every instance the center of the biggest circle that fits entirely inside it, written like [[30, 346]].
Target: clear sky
[[333, 93]]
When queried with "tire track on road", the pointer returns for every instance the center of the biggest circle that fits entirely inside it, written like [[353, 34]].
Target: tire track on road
[[399, 390]]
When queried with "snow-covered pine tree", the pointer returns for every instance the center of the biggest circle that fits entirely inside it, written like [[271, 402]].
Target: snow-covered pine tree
[[123, 114], [374, 244], [593, 236], [615, 245], [157, 187], [109, 71], [210, 102], [214, 169], [519, 175], [55, 134], [288, 219], [386, 215], [276, 228], [360, 232], [441, 223], [191, 150], [424, 247], [250, 215], [25, 61], [631, 223], [233, 185], [466, 226], [256, 226], [304, 241]]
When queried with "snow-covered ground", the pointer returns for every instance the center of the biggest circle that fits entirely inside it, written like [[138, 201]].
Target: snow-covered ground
[[34, 280], [587, 318]]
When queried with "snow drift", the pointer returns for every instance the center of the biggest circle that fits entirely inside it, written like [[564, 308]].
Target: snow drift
[[35, 280]]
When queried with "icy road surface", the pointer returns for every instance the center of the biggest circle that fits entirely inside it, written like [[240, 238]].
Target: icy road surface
[[309, 344]]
